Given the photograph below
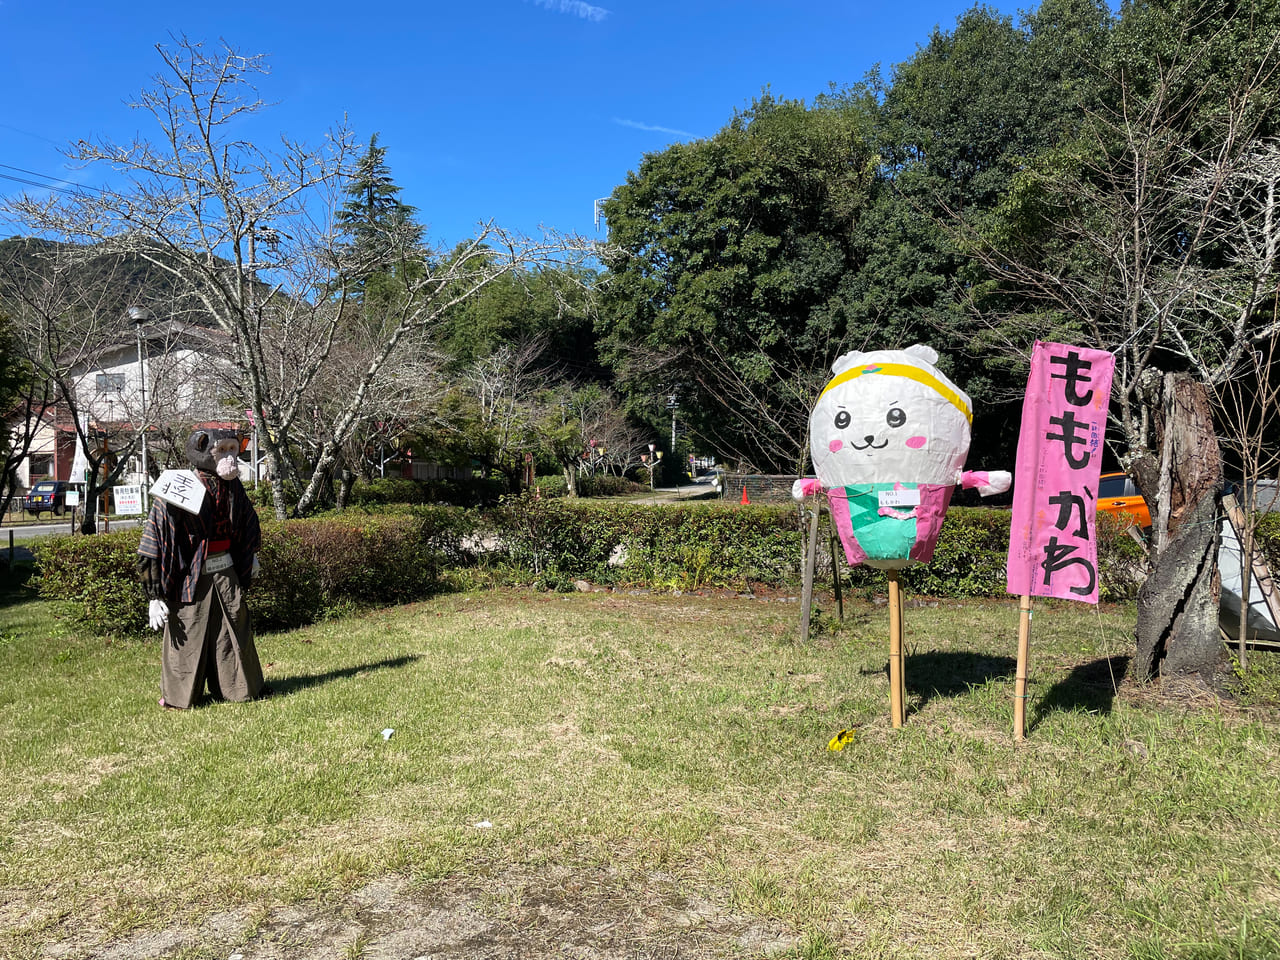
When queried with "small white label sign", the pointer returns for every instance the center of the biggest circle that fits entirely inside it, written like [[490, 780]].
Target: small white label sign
[[900, 498], [128, 500], [182, 488]]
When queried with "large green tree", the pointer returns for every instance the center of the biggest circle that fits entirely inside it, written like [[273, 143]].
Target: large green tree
[[957, 121], [377, 229], [728, 259]]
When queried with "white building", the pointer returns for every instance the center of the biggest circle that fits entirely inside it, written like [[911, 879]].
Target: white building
[[185, 375]]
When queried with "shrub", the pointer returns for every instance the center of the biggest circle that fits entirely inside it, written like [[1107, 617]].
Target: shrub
[[687, 545], [388, 490], [97, 575], [609, 486], [310, 568], [551, 485]]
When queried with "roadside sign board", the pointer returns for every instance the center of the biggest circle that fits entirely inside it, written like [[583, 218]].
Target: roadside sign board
[[128, 500]]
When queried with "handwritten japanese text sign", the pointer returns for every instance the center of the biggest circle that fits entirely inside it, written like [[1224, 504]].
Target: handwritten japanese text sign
[[1052, 544]]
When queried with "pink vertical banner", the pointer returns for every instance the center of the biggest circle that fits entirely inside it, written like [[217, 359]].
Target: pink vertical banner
[[1052, 542]]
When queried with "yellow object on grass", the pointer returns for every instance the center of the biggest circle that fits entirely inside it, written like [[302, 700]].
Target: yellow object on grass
[[841, 739]]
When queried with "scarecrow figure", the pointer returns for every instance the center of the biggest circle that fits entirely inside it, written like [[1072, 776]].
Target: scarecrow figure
[[197, 558], [889, 436]]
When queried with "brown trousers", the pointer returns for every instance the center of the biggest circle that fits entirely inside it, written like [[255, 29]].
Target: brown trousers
[[210, 640]]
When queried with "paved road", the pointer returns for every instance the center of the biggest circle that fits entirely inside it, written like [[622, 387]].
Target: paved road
[[27, 531], [22, 531]]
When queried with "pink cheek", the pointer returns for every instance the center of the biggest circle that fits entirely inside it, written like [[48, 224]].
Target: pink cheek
[[915, 443], [835, 445]]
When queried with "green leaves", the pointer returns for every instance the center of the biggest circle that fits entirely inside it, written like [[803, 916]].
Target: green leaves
[[725, 277]]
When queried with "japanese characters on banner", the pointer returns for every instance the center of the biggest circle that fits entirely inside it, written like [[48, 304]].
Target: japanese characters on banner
[[1052, 543]]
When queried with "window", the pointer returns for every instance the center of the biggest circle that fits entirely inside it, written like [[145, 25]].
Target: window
[[110, 382], [1112, 486]]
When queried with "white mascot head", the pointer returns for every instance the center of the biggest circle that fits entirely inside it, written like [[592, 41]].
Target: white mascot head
[[889, 416]]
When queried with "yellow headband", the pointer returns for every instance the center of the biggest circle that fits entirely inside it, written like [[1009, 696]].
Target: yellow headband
[[911, 373]]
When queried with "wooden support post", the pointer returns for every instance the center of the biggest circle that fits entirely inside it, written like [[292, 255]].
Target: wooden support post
[[806, 598], [1020, 680], [897, 682], [837, 571]]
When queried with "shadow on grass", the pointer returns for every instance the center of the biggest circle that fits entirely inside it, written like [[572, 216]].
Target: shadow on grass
[[1090, 686], [283, 686], [15, 583], [952, 674]]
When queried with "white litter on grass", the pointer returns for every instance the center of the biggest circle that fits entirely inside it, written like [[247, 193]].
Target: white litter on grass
[[483, 825], [386, 734]]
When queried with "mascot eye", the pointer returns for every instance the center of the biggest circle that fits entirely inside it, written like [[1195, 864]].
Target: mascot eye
[[896, 417], [842, 419]]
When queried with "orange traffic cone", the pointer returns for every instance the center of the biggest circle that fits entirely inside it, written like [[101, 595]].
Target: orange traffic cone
[[745, 498]]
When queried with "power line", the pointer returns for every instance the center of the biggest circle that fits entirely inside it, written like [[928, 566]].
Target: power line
[[35, 136], [53, 185]]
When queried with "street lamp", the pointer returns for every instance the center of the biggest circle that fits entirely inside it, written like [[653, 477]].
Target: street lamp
[[140, 316]]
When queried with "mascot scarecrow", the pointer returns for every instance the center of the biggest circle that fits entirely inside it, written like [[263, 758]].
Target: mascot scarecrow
[[889, 436], [197, 558]]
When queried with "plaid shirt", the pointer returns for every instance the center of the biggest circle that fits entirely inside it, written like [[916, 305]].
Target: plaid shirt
[[175, 543]]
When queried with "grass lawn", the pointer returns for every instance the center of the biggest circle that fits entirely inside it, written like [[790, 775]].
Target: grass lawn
[[568, 758]]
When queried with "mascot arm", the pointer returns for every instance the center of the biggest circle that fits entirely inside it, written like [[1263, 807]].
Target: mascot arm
[[987, 482], [804, 487]]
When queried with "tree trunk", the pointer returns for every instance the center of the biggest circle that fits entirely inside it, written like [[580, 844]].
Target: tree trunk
[[346, 480], [1177, 632]]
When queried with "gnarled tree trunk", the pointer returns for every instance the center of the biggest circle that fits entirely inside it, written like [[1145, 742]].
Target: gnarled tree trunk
[[1177, 631]]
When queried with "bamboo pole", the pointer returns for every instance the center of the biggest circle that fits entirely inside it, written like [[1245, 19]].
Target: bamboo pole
[[1020, 681], [806, 598], [897, 684]]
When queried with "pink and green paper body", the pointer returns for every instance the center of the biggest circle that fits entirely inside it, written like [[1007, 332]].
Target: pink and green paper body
[[888, 436]]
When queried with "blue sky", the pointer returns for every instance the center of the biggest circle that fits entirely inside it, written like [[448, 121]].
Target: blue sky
[[523, 111]]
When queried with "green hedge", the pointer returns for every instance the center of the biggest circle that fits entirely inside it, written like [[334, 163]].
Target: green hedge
[[95, 574], [310, 568], [316, 568], [672, 545], [694, 545]]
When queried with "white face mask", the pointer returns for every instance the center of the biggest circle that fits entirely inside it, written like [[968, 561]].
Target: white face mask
[[227, 460]]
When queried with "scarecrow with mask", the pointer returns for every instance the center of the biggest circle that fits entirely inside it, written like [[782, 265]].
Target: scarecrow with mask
[[197, 558]]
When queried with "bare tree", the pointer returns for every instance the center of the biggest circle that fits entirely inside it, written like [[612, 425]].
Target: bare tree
[[1155, 237], [64, 323], [1249, 407], [251, 236]]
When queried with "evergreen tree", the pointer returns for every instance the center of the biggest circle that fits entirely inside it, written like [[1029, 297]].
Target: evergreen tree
[[379, 227]]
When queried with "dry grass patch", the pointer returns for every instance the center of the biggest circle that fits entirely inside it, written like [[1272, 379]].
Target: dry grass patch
[[629, 773]]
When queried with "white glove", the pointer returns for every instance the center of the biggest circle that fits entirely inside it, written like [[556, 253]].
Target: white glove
[[803, 487], [998, 481], [158, 614]]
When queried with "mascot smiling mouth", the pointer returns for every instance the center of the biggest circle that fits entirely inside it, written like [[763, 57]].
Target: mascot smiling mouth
[[870, 444]]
